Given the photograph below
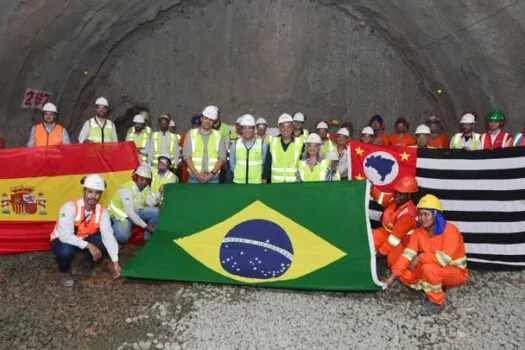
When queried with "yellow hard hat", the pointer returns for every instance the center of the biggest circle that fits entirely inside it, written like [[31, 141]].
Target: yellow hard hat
[[429, 202], [145, 114]]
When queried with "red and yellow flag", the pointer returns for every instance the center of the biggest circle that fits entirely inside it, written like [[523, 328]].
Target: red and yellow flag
[[36, 182]]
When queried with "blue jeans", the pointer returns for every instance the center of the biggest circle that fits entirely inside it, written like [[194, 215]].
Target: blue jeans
[[66, 252], [122, 229], [193, 180]]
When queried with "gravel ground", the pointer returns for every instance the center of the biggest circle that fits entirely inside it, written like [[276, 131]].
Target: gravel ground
[[99, 313]]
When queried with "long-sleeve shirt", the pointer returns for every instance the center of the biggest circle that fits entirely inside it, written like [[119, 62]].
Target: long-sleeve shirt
[[127, 198], [187, 150], [164, 143], [459, 141], [342, 167], [66, 230], [248, 145], [49, 128], [84, 132]]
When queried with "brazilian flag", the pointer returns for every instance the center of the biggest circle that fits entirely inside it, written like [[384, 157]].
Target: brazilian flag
[[307, 236]]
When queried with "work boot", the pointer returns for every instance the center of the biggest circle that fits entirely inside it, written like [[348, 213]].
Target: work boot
[[429, 308], [67, 280]]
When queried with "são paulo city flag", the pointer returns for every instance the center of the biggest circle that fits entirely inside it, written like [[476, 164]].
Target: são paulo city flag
[[383, 166]]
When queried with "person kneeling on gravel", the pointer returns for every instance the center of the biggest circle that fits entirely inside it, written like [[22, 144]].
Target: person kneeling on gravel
[[434, 258], [83, 224]]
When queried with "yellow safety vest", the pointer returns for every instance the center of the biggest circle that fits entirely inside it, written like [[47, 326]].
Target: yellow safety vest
[[158, 180], [317, 174], [97, 133], [284, 164], [157, 146], [116, 208], [457, 141], [141, 141], [327, 146], [197, 149], [248, 163]]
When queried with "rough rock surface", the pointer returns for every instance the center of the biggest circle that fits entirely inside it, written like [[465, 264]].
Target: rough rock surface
[[98, 313], [350, 58]]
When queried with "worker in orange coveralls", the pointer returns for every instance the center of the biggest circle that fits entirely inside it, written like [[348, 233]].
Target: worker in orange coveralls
[[434, 258], [398, 219]]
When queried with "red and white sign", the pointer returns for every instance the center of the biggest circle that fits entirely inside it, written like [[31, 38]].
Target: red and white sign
[[36, 98]]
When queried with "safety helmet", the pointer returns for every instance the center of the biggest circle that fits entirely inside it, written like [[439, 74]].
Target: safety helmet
[[377, 118], [144, 171], [496, 115], [261, 121], [367, 130], [298, 117], [468, 118], [285, 118], [314, 138], [429, 201], [172, 123], [139, 119], [422, 129], [101, 101], [164, 116], [332, 155], [344, 132], [211, 112], [94, 182], [433, 119], [247, 120], [407, 184], [49, 107], [145, 114], [321, 125], [164, 156]]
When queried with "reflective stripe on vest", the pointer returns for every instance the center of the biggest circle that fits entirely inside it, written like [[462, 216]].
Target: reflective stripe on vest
[[318, 173], [116, 208], [248, 163], [99, 133], [43, 138], [457, 141], [157, 146], [517, 140], [158, 180], [197, 149], [284, 164], [83, 228], [499, 142], [327, 146]]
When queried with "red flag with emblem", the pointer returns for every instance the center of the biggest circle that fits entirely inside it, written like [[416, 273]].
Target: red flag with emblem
[[380, 164]]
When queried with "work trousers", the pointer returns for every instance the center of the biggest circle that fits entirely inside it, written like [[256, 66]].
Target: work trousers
[[66, 252]]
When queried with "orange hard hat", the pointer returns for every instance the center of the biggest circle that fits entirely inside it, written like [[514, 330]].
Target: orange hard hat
[[407, 184]]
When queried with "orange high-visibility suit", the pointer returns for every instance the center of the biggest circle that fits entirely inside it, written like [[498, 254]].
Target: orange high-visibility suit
[[442, 262], [440, 141], [397, 221], [382, 139], [401, 141]]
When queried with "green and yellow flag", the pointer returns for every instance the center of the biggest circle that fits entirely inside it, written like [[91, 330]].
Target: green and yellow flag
[[307, 236]]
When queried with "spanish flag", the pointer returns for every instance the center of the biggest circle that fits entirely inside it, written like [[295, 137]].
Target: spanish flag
[[306, 236], [36, 182]]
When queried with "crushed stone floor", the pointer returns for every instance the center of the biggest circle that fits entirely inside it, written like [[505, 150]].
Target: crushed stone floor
[[99, 313]]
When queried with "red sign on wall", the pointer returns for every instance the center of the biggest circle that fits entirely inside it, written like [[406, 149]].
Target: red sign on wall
[[36, 98]]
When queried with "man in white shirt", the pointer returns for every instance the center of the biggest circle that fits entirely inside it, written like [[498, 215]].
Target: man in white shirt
[[467, 139], [83, 224], [99, 129]]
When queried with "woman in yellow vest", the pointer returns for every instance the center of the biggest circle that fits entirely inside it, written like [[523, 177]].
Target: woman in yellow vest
[[48, 133], [313, 168], [161, 175], [326, 143], [247, 154], [140, 136]]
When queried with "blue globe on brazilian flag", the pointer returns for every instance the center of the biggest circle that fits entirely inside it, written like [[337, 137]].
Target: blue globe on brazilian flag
[[305, 236]]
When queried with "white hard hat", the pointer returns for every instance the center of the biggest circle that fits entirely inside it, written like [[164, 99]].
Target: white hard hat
[[422, 129], [238, 121], [247, 120], [102, 101], [367, 130], [285, 118], [344, 132], [164, 116], [94, 182], [211, 112], [261, 121], [164, 155], [332, 155], [298, 117], [468, 118], [172, 123], [322, 125], [49, 107], [144, 171], [314, 138], [139, 119]]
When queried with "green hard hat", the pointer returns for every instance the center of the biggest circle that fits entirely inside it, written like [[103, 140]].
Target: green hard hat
[[496, 115]]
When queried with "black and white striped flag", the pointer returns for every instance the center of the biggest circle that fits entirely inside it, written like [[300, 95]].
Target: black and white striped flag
[[483, 194]]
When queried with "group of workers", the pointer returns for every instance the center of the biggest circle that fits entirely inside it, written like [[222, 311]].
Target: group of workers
[[422, 249]]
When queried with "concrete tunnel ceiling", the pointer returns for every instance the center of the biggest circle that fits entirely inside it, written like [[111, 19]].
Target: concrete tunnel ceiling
[[334, 59]]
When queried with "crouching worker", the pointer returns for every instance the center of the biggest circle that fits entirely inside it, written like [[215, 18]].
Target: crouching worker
[[83, 224], [133, 204], [398, 220], [161, 176], [434, 258]]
